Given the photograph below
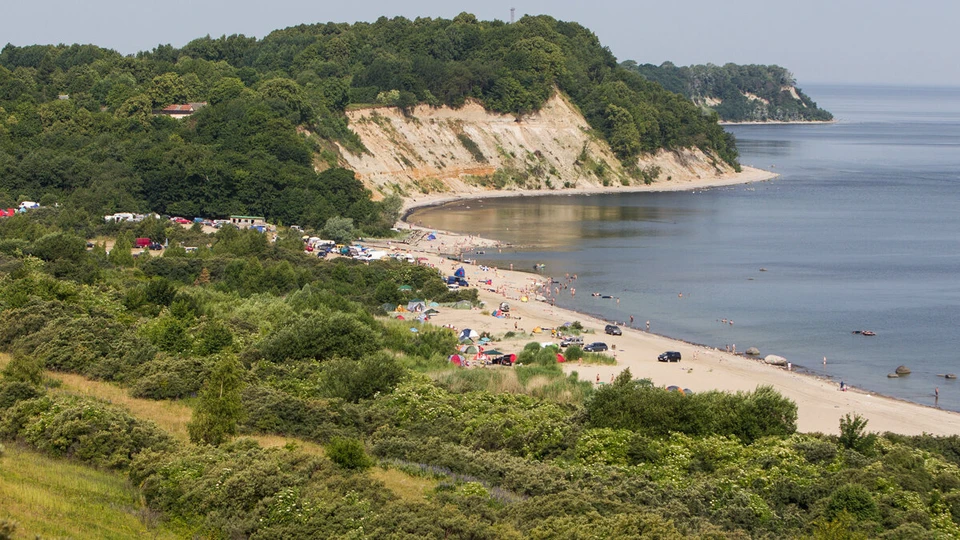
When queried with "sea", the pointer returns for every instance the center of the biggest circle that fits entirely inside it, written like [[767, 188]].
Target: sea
[[861, 231]]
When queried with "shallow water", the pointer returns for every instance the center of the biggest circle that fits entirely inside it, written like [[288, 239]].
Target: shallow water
[[861, 231]]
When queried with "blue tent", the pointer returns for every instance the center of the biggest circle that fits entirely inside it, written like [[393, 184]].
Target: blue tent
[[431, 236], [460, 272]]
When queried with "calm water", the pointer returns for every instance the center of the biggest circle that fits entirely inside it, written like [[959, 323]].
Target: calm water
[[861, 231]]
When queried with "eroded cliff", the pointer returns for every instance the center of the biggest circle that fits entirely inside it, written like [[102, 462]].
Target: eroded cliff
[[466, 150]]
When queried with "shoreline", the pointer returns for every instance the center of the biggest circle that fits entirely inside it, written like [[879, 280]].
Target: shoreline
[[748, 175], [777, 122], [819, 402]]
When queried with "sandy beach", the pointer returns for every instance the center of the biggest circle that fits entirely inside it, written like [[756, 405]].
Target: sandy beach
[[820, 402]]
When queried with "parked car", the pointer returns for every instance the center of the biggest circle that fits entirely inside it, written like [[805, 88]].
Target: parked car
[[613, 330], [156, 246], [669, 356], [572, 340], [597, 346]]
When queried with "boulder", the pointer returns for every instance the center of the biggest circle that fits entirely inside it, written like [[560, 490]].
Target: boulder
[[753, 351], [775, 360], [902, 370], [892, 376]]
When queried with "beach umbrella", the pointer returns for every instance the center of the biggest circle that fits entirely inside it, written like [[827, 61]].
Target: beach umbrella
[[467, 334], [493, 352]]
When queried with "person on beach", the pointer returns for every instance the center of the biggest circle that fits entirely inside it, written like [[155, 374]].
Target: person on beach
[[824, 360], [843, 387], [936, 397], [631, 320], [648, 326], [598, 378]]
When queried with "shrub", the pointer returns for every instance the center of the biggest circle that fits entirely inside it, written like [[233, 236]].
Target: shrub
[[348, 453], [82, 428], [856, 500], [353, 380], [853, 436]]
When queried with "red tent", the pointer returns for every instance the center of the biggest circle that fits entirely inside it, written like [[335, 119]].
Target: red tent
[[456, 359], [560, 358]]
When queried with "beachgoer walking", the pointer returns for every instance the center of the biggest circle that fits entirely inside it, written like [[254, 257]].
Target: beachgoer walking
[[789, 366], [573, 292], [648, 326], [734, 348], [631, 320], [936, 397]]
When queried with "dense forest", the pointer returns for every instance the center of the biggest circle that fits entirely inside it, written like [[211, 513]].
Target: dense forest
[[738, 93], [257, 338], [77, 122]]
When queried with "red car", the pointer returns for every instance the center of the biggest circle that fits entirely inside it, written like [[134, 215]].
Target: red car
[[182, 221]]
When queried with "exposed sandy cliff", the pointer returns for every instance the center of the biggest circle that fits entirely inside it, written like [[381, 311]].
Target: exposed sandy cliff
[[469, 150]]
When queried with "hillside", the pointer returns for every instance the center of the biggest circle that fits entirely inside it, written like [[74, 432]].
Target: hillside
[[737, 93], [260, 126], [446, 150]]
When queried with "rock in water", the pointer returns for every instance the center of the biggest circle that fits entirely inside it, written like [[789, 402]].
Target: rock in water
[[902, 370], [753, 351], [775, 360], [892, 376]]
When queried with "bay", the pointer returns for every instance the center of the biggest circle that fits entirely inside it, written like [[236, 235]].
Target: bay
[[860, 232]]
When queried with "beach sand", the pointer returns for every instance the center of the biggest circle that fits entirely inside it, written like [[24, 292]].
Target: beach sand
[[820, 402]]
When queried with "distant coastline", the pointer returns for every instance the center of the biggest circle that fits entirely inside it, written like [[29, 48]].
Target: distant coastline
[[776, 122]]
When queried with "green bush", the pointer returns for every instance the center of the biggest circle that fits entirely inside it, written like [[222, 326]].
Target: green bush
[[348, 453], [82, 428]]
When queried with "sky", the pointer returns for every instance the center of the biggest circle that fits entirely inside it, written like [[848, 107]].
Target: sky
[[821, 41]]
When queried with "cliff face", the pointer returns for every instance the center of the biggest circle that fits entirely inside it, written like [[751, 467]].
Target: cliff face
[[444, 150]]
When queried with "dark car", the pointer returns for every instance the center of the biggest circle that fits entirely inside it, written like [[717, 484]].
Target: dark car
[[156, 246], [669, 356], [613, 330], [598, 346]]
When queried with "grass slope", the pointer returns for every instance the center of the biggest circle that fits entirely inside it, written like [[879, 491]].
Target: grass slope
[[56, 498]]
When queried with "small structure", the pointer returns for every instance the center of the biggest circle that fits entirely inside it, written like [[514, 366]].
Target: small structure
[[180, 110], [247, 222], [28, 205]]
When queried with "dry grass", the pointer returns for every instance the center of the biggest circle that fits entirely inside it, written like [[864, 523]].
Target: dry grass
[[279, 441], [56, 498], [407, 487], [171, 416]]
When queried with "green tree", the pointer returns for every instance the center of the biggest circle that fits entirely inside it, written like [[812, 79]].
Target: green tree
[[120, 254], [853, 434], [220, 408], [624, 138], [339, 229]]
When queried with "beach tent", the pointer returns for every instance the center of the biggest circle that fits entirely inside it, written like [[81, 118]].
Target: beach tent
[[471, 349], [431, 311], [456, 359], [468, 335], [417, 306], [463, 304], [401, 309], [423, 318], [400, 318], [560, 358], [536, 330], [388, 307], [484, 339], [674, 389], [460, 273], [493, 352], [431, 236], [433, 304], [404, 288]]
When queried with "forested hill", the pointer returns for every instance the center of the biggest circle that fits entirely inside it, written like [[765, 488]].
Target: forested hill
[[751, 93], [78, 122]]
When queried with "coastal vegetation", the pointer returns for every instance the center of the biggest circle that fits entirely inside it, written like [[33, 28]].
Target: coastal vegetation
[[83, 126], [287, 406], [737, 93]]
